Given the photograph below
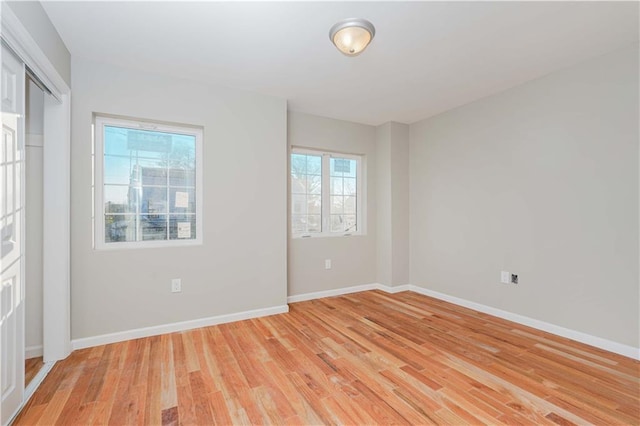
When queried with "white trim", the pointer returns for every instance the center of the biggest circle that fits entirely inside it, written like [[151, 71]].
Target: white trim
[[138, 333], [22, 43], [578, 336], [395, 289], [56, 244], [598, 342], [33, 351], [346, 290], [330, 293]]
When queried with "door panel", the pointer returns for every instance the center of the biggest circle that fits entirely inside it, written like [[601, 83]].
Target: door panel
[[11, 235]]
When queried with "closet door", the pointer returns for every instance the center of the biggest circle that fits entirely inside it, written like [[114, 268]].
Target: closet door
[[12, 155]]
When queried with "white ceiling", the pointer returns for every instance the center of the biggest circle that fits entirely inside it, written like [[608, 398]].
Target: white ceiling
[[427, 57]]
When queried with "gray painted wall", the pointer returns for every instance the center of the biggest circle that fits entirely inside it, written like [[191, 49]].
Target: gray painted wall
[[36, 21], [353, 258], [540, 180], [242, 264], [392, 146]]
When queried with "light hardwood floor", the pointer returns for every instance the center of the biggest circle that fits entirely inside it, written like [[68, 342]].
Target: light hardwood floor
[[364, 358]]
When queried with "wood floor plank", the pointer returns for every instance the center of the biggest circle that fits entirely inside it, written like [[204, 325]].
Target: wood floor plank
[[363, 358]]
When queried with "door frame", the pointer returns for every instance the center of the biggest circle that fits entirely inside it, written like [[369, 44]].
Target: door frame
[[57, 188]]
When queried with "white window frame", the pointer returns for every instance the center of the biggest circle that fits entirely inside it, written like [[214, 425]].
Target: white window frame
[[326, 196], [100, 121]]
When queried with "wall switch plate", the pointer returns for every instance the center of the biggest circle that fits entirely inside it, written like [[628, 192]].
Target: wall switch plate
[[327, 264], [514, 278], [176, 285], [505, 277]]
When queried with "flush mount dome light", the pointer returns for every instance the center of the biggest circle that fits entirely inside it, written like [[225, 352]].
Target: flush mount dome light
[[352, 36]]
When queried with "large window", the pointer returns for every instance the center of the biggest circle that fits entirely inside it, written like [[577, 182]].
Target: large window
[[148, 184], [326, 195]]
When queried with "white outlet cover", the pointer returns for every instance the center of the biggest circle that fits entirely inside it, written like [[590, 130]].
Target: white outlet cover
[[176, 285], [505, 277]]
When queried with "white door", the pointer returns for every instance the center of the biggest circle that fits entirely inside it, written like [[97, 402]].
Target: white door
[[12, 156]]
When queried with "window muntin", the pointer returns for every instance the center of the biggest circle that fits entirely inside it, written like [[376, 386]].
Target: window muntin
[[325, 193], [147, 184]]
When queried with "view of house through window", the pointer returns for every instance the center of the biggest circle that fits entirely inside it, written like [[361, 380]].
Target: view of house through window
[[147, 186], [325, 195]]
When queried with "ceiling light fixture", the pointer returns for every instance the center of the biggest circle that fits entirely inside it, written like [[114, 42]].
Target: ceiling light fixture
[[352, 36]]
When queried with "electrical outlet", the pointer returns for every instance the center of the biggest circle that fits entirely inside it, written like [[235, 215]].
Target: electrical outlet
[[327, 264], [505, 277], [176, 285], [514, 278]]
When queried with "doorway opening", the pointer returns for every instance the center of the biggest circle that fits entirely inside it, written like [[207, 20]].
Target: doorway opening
[[34, 210]]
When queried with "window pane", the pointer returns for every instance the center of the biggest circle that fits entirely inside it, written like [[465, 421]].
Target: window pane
[[351, 169], [118, 228], [182, 177], [298, 184], [153, 227], [350, 205], [299, 204], [336, 186], [314, 204], [350, 186], [341, 166], [182, 200], [298, 224], [182, 227], [298, 165], [183, 152], [314, 165], [136, 143], [314, 223], [337, 204], [154, 200], [150, 174], [314, 184], [116, 199], [117, 169], [350, 223], [337, 223]]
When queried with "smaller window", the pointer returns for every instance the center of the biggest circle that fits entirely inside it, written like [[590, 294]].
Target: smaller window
[[147, 184], [326, 193]]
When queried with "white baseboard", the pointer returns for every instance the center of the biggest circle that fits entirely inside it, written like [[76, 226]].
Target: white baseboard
[[346, 290], [598, 342], [105, 339], [33, 351], [330, 293]]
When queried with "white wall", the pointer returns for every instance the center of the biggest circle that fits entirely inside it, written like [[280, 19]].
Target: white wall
[[36, 21], [354, 257], [540, 180], [242, 264], [34, 216]]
